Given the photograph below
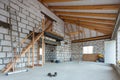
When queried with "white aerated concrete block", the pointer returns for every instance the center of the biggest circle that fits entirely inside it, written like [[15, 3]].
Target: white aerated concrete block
[[8, 49], [22, 25], [2, 5], [9, 54], [24, 21], [3, 30], [1, 61], [1, 36], [30, 19], [22, 15], [5, 43], [0, 48], [25, 31], [3, 12], [3, 18], [14, 6], [7, 37], [2, 54], [1, 67]]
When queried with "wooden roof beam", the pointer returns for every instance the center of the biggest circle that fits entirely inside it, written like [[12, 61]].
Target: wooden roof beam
[[88, 7], [92, 39], [108, 26], [107, 15], [102, 30], [53, 1], [76, 32], [106, 21]]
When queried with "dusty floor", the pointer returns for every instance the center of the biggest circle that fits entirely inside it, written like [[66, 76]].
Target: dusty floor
[[67, 71]]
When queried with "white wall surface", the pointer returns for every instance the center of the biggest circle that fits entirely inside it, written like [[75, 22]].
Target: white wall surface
[[110, 52]]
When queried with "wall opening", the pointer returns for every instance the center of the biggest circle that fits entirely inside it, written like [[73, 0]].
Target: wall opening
[[88, 50]]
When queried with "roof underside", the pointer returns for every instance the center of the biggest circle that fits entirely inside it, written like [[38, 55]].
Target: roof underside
[[86, 18]]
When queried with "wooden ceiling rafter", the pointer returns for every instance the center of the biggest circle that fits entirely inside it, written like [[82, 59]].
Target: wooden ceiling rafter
[[105, 21], [54, 1], [97, 25], [75, 32], [97, 29], [106, 15], [94, 28], [89, 20], [92, 39], [88, 7]]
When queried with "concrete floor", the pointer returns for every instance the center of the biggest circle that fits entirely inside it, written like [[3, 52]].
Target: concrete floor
[[67, 71]]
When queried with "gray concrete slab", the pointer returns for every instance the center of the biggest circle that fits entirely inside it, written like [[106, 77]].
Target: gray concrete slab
[[67, 71]]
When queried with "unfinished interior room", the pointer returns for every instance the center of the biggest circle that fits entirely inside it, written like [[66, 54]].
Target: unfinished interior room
[[59, 39]]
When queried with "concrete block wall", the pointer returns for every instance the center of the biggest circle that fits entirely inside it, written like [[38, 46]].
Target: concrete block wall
[[63, 52], [58, 28], [50, 53], [77, 48], [27, 13]]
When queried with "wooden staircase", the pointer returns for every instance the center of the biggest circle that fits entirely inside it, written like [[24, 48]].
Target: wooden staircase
[[9, 66]]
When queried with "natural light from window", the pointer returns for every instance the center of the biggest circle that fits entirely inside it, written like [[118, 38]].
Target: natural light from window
[[40, 51], [88, 50]]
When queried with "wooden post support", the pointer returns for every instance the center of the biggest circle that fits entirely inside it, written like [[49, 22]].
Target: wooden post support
[[38, 53], [43, 43], [13, 69], [28, 57], [33, 49]]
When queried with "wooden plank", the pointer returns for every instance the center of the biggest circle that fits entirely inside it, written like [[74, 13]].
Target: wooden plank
[[105, 31], [98, 25], [28, 57], [92, 39], [43, 45], [50, 27], [88, 7], [33, 49], [106, 21], [53, 1], [96, 28], [107, 15], [75, 32], [90, 57], [15, 54], [38, 53]]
